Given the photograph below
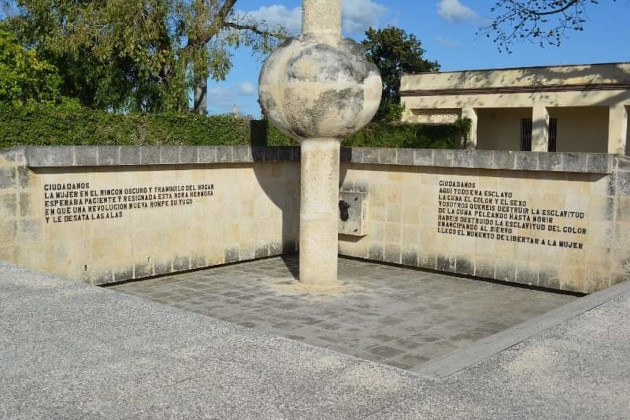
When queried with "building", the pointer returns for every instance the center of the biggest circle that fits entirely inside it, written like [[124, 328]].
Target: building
[[577, 108]]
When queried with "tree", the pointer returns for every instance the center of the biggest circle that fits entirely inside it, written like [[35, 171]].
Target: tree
[[138, 55], [25, 79], [395, 52], [544, 21]]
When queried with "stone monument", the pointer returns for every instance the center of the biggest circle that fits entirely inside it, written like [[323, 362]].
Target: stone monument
[[319, 88]]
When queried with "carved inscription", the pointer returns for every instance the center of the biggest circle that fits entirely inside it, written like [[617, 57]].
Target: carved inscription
[[465, 210], [79, 201]]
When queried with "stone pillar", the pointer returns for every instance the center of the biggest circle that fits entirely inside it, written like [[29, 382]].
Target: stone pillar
[[322, 18], [617, 129], [540, 128], [319, 88], [319, 212], [470, 113]]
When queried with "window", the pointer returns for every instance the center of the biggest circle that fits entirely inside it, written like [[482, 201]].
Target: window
[[526, 134], [553, 134]]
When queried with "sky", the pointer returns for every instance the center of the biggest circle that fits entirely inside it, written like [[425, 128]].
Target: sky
[[447, 30]]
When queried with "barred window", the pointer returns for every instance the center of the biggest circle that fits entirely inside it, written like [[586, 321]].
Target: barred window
[[553, 134], [526, 134]]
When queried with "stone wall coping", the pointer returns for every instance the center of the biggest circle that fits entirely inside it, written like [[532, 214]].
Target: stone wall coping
[[80, 156]]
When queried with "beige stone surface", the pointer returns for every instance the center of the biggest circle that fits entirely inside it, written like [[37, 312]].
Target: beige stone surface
[[618, 128], [319, 212], [322, 18], [252, 212], [579, 127], [526, 76], [311, 89], [500, 128], [405, 228]]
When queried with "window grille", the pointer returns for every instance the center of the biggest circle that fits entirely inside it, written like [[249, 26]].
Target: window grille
[[553, 134], [526, 134]]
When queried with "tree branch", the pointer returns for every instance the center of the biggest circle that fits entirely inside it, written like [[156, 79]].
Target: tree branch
[[550, 12], [256, 30], [543, 21], [225, 10], [214, 28]]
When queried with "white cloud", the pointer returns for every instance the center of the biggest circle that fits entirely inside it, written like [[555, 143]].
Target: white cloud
[[454, 11], [447, 42], [358, 15], [223, 97], [277, 15], [246, 88]]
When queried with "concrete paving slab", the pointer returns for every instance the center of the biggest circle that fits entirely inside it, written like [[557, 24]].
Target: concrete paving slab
[[72, 350], [577, 368], [377, 310], [488, 346]]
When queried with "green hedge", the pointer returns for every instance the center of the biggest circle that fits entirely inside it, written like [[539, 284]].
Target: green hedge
[[418, 136], [48, 126]]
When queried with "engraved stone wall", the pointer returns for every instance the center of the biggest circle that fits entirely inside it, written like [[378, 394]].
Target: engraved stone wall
[[108, 214], [561, 230], [109, 223]]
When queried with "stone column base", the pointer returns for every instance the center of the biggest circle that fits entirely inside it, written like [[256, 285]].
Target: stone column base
[[319, 212]]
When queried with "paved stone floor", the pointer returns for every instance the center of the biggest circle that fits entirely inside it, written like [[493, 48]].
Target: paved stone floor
[[392, 315]]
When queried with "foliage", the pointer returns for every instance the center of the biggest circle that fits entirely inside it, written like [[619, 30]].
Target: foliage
[[395, 52], [266, 134], [390, 111], [418, 136], [24, 79], [464, 125], [544, 21], [136, 55], [62, 126], [43, 125]]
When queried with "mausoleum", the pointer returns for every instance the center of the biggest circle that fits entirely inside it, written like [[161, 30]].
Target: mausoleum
[[577, 108]]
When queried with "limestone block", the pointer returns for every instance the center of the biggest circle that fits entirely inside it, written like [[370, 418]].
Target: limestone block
[[8, 206]]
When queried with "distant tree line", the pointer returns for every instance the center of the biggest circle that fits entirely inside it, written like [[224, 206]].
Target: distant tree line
[[156, 56], [136, 55]]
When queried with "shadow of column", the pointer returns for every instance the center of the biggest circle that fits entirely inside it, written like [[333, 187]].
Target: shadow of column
[[277, 171]]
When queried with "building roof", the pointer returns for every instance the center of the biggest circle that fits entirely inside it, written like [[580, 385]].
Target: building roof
[[603, 76], [622, 63]]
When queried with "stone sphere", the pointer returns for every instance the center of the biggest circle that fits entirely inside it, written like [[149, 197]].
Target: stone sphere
[[310, 89]]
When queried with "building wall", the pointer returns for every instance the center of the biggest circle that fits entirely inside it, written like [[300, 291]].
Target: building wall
[[500, 129], [434, 115], [520, 77], [593, 88], [516, 100], [581, 129]]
